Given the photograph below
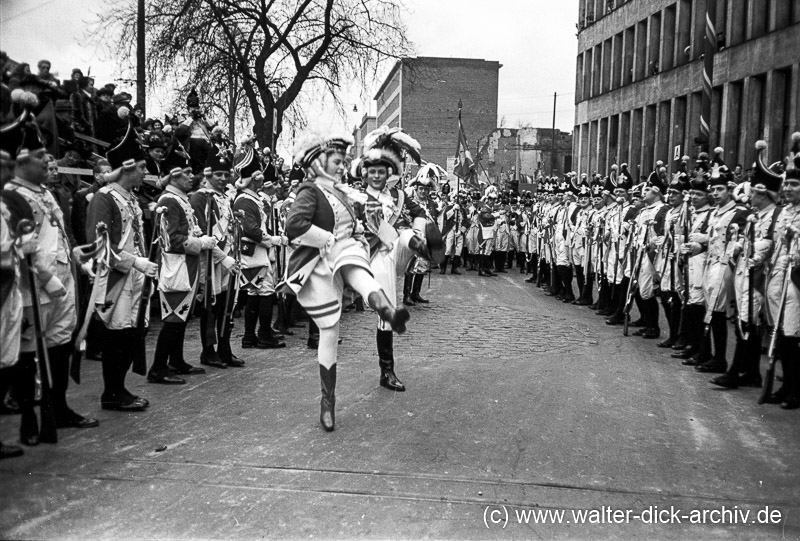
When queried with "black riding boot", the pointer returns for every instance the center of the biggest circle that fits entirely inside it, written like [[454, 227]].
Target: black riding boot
[[416, 287], [580, 280], [327, 416], [251, 309], [443, 266], [408, 282], [565, 272], [456, 263], [386, 361]]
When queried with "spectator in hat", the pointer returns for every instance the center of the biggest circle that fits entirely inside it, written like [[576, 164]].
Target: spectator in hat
[[71, 85], [107, 121], [84, 111], [44, 72]]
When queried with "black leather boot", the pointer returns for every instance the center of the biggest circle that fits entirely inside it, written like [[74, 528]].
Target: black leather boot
[[313, 335], [416, 287], [407, 283], [386, 362], [396, 317], [250, 340], [454, 267], [443, 266], [327, 416]]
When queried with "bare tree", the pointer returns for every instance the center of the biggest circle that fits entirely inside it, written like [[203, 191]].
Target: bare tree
[[252, 58]]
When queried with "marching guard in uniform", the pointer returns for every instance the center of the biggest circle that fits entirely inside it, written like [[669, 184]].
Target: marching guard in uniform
[[784, 310], [427, 179], [669, 262], [648, 238], [258, 244], [54, 268], [182, 246], [581, 242], [454, 223], [212, 203], [695, 260], [726, 220], [123, 266], [331, 252], [755, 246], [394, 227]]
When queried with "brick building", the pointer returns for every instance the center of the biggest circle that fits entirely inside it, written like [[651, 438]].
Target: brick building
[[421, 96], [638, 89], [368, 123], [508, 153]]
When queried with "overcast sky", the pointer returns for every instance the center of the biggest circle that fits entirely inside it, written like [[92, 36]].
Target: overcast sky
[[534, 40]]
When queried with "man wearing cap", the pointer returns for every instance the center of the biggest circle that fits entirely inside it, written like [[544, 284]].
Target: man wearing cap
[[745, 367], [726, 220], [258, 244], [211, 202], [53, 267], [116, 297], [392, 240]]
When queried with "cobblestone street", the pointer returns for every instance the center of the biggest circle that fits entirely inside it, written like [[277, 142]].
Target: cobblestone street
[[515, 402]]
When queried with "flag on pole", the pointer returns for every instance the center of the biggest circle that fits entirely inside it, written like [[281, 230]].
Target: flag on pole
[[464, 165]]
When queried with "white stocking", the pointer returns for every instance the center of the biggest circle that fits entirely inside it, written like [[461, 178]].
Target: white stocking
[[328, 346], [360, 280]]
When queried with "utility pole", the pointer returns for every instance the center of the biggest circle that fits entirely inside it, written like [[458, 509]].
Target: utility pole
[[553, 143], [140, 57]]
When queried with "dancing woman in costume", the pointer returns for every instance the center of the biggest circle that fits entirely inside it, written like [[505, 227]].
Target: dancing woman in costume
[[331, 253]]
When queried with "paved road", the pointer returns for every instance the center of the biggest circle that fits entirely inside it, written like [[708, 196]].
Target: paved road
[[516, 403]]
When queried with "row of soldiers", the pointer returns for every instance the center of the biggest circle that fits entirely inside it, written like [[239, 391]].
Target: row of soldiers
[[209, 242], [715, 251]]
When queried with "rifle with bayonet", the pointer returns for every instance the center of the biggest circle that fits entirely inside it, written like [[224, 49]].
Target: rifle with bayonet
[[769, 378], [47, 430], [633, 283], [140, 359], [232, 293]]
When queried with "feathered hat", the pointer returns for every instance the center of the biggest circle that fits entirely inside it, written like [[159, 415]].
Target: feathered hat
[[129, 150], [218, 161], [431, 175], [654, 181], [22, 135], [387, 146], [721, 175], [624, 179], [596, 187], [792, 161], [247, 166], [764, 179], [680, 180], [308, 149]]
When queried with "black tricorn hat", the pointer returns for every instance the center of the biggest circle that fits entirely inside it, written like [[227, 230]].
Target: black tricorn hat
[[129, 150], [793, 159], [219, 161], [764, 179]]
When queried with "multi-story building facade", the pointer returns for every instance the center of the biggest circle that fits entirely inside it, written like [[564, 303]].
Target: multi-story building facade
[[512, 154], [639, 83], [421, 95]]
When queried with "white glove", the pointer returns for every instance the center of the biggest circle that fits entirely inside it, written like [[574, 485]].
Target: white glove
[[284, 240], [145, 266], [55, 288], [152, 206], [208, 242], [276, 240], [86, 268], [29, 243], [229, 264]]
